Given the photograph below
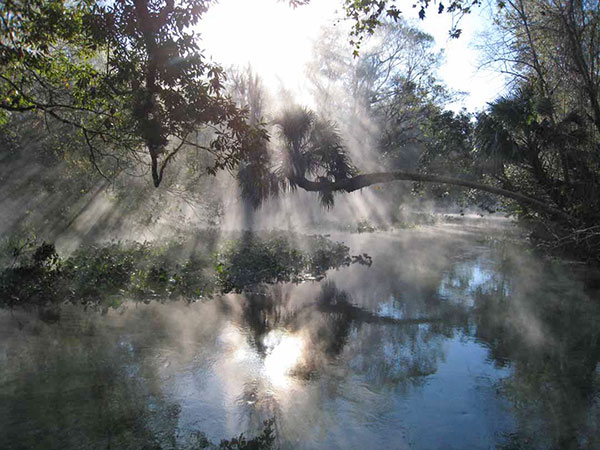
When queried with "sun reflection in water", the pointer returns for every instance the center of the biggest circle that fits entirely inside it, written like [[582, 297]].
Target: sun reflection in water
[[283, 353]]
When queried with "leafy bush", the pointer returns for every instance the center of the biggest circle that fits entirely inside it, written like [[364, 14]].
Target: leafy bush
[[365, 226], [98, 271], [34, 274], [250, 260], [96, 274], [181, 268], [244, 263]]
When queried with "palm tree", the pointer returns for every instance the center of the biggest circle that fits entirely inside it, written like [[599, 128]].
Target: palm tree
[[313, 157], [527, 148], [312, 147]]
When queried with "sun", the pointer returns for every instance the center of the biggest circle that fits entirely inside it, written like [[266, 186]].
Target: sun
[[274, 38]]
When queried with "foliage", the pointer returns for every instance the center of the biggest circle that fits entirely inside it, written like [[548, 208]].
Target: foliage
[[249, 261], [393, 85], [311, 146], [542, 138], [264, 441], [181, 268], [126, 81], [365, 226], [18, 249], [391, 96], [54, 190], [142, 270], [368, 15], [536, 146], [104, 275], [448, 149], [37, 279], [406, 100], [128, 77], [326, 254], [256, 177]]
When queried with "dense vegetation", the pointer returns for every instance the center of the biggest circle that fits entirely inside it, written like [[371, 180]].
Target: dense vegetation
[[191, 267], [122, 89], [103, 101], [537, 146]]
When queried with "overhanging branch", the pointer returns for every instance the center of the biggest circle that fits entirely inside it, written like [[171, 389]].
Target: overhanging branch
[[360, 181]]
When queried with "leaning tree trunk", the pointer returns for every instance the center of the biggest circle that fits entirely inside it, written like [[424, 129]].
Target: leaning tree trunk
[[360, 181]]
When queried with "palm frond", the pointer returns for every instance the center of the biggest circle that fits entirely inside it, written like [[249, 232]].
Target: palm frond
[[312, 146], [494, 140]]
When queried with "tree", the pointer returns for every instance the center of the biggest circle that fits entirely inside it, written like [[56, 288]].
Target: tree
[[529, 151], [394, 86], [254, 177], [542, 138], [406, 93], [553, 45], [368, 15], [127, 75], [313, 158], [388, 99]]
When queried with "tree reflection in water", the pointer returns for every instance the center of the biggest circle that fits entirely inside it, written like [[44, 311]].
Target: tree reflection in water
[[547, 332], [351, 362]]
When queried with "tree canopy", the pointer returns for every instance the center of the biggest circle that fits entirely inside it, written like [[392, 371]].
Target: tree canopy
[[128, 76], [128, 82]]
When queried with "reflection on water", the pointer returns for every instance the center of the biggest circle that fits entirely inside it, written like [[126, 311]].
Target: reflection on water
[[447, 341], [284, 353]]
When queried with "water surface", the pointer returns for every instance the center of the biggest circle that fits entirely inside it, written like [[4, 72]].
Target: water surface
[[452, 339]]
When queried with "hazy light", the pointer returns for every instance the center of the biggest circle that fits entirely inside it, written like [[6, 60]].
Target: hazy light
[[284, 352], [273, 37], [460, 70], [277, 41]]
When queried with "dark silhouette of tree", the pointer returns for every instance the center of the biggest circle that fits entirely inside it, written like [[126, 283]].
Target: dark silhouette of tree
[[128, 76], [314, 158]]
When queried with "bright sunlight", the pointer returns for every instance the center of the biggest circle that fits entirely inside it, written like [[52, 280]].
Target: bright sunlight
[[277, 41], [284, 353], [270, 35]]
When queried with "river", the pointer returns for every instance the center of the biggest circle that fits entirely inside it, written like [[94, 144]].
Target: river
[[457, 337]]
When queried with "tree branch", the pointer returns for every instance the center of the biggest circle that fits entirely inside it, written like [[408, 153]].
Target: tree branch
[[364, 180]]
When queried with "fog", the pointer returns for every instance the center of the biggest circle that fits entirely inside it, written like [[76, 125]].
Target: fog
[[399, 316], [442, 329]]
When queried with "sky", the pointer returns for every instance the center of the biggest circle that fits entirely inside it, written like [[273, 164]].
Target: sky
[[277, 41]]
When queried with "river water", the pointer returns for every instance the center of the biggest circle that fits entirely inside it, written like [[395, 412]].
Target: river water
[[457, 337]]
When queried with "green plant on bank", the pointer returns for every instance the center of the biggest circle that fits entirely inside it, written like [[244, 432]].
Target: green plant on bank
[[249, 261], [102, 274], [105, 275], [400, 220], [16, 249]]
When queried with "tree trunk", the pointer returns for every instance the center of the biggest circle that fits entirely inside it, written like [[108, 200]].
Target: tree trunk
[[361, 181]]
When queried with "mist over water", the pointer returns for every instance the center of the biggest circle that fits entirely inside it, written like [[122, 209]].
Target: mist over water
[[451, 339], [45, 195], [457, 336]]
